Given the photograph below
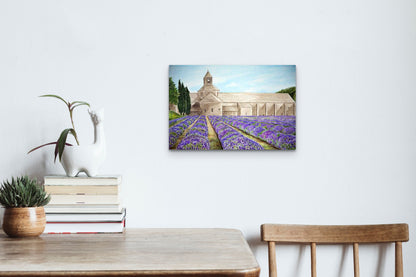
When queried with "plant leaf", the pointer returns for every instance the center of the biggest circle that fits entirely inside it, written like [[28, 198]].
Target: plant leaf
[[36, 148], [74, 134], [79, 103], [55, 96], [50, 143], [60, 144]]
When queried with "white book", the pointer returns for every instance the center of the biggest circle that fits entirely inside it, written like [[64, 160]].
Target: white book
[[115, 208], [79, 228], [57, 199], [86, 217], [83, 180], [84, 189]]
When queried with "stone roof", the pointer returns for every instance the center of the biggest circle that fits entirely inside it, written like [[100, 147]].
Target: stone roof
[[209, 87], [248, 97], [211, 98], [208, 74], [193, 95], [255, 97]]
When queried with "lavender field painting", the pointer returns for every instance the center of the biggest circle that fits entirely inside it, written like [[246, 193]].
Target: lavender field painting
[[248, 108]]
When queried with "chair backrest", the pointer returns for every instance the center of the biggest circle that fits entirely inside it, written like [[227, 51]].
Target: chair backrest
[[335, 234]]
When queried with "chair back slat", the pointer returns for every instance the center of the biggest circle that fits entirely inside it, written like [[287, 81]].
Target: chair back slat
[[334, 234]]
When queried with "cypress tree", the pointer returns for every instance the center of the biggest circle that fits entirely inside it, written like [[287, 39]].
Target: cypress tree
[[188, 102], [181, 98]]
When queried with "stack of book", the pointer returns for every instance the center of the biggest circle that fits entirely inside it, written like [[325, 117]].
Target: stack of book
[[84, 205]]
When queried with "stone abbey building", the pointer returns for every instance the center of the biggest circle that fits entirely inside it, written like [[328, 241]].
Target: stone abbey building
[[210, 101]]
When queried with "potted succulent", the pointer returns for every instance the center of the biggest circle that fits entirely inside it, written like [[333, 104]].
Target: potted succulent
[[23, 199]]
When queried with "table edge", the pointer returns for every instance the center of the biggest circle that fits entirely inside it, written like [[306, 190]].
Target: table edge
[[247, 272], [252, 272]]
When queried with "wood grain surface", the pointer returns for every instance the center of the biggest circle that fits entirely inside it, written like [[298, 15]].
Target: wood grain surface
[[139, 252], [335, 233]]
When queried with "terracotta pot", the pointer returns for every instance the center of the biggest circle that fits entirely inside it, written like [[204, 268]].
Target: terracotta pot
[[24, 222]]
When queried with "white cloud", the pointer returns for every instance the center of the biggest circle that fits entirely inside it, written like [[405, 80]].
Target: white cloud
[[251, 89], [263, 78], [220, 80], [231, 85]]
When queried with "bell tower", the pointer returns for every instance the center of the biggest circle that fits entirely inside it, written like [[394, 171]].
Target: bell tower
[[208, 88], [208, 79]]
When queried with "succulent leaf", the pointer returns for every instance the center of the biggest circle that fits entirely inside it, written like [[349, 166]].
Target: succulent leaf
[[23, 192]]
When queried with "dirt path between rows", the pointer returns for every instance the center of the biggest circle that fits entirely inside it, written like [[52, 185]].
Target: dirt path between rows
[[214, 142]]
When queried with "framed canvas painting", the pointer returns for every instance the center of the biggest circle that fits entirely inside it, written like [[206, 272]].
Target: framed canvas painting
[[232, 107]]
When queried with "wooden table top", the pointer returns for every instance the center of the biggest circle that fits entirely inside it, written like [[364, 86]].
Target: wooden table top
[[140, 252]]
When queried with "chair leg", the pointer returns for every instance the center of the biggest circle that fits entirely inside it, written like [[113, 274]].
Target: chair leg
[[272, 259], [313, 259], [399, 259], [356, 261]]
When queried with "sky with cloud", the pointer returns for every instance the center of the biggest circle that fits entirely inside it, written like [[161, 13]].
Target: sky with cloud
[[236, 78]]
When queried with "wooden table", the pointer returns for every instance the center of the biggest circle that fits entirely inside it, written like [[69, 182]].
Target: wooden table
[[137, 252]]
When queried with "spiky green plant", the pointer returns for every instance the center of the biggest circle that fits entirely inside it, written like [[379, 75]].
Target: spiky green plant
[[23, 192]]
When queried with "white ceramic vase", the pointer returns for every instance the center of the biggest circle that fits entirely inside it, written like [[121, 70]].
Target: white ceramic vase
[[87, 158]]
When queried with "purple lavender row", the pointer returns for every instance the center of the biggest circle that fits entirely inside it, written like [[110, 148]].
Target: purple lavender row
[[177, 130], [231, 139], [284, 120], [197, 137], [256, 128], [283, 137], [176, 120], [266, 121]]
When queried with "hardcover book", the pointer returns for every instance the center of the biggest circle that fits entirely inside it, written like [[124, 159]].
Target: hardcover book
[[84, 227], [86, 217], [96, 208], [57, 199]]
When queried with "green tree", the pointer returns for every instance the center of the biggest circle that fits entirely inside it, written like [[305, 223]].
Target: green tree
[[188, 101], [181, 98], [173, 92], [291, 91]]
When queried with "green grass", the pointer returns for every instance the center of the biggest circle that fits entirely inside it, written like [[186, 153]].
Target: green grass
[[173, 115]]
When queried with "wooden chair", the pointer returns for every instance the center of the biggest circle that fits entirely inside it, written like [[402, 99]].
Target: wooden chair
[[325, 234]]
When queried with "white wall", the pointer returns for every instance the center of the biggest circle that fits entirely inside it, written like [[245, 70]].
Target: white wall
[[356, 146]]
